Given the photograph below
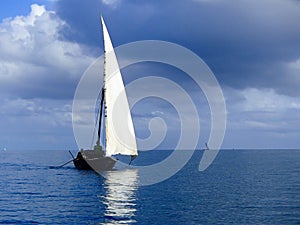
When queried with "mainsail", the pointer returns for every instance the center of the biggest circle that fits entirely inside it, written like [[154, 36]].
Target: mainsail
[[120, 135]]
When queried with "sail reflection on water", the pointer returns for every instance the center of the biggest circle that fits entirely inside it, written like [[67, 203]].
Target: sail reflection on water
[[120, 198]]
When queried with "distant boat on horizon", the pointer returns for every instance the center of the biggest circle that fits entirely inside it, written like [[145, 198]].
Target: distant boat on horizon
[[206, 147], [121, 142]]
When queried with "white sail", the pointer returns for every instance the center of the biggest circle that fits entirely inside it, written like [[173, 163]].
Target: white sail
[[120, 135]]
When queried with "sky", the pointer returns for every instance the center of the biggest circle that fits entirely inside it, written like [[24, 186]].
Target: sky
[[252, 47]]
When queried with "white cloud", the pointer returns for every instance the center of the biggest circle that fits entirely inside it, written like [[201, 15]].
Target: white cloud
[[52, 112], [32, 50], [207, 1], [35, 65], [112, 3], [293, 73], [267, 100], [259, 114], [35, 124], [295, 65]]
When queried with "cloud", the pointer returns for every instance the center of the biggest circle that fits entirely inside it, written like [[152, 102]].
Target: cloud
[[267, 100], [42, 124], [261, 118], [251, 46], [39, 71], [35, 61], [56, 113], [112, 3], [246, 43]]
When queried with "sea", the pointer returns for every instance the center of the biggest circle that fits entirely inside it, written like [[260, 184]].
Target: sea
[[240, 187]]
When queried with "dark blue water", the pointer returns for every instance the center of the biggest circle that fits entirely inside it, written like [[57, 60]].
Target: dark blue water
[[240, 187]]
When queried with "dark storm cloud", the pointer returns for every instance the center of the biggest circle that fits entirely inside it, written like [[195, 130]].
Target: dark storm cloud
[[83, 18], [246, 43]]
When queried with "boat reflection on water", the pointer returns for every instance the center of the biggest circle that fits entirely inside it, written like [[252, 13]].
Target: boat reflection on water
[[120, 198]]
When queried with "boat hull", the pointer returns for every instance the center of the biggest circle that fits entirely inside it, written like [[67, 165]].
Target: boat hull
[[89, 160]]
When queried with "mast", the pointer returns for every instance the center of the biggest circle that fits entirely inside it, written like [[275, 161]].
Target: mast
[[100, 117], [104, 82], [102, 94]]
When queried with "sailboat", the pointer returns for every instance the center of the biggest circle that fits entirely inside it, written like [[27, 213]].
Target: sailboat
[[116, 123]]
